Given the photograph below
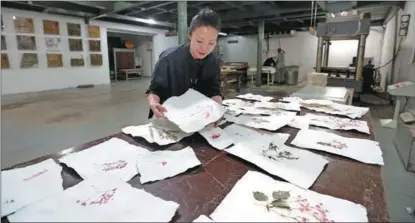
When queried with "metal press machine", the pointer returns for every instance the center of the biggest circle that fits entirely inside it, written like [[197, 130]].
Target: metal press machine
[[353, 28]]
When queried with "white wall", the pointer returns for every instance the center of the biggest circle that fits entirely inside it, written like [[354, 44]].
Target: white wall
[[404, 70], [301, 50], [17, 80]]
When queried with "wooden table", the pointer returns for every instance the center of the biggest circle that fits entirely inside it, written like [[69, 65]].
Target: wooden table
[[201, 189]]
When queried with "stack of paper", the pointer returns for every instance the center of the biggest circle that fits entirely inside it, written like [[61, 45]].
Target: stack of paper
[[255, 97]]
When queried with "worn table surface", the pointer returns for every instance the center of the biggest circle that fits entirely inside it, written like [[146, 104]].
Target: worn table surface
[[201, 189]]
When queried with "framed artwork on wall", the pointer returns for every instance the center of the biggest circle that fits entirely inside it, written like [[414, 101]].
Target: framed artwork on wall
[[77, 62], [54, 60], [23, 25], [53, 43], [29, 60], [96, 60], [5, 61], [75, 45], [93, 32], [50, 27], [74, 29], [26, 42], [95, 45], [3, 43]]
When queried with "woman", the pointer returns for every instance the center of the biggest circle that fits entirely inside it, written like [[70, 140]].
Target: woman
[[191, 65]]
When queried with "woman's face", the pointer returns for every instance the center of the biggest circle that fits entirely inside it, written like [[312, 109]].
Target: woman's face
[[203, 41]]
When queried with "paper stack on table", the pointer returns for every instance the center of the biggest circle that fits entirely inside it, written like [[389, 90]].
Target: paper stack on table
[[115, 157], [21, 187], [216, 137], [99, 199], [192, 111], [160, 165], [258, 198], [297, 166], [332, 122], [255, 97], [363, 150]]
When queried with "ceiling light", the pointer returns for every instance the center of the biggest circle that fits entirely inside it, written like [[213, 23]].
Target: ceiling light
[[332, 15], [14, 17], [222, 34], [343, 13], [151, 21]]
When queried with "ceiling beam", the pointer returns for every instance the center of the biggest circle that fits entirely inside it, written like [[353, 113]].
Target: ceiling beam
[[148, 8], [118, 7], [141, 20], [236, 14]]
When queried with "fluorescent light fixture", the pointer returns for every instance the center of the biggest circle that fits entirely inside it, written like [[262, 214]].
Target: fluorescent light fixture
[[222, 34], [151, 21], [343, 13], [14, 17], [332, 15]]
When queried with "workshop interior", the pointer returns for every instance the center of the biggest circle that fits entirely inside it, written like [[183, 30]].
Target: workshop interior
[[74, 73]]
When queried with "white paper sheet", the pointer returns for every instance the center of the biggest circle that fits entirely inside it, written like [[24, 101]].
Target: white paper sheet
[[24, 186], [160, 165], [240, 133], [300, 122], [293, 106], [272, 122], [216, 137], [237, 103], [299, 167], [114, 157], [255, 97], [332, 122], [203, 218], [153, 133], [363, 150], [99, 199], [192, 111], [305, 205], [329, 107]]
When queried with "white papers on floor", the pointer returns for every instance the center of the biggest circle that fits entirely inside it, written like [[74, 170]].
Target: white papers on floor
[[293, 106], [300, 122], [240, 133], [332, 122], [216, 137], [258, 198], [272, 122], [160, 165], [114, 157], [255, 97], [296, 166], [24, 186], [99, 199], [192, 111], [154, 132], [363, 150], [203, 218], [329, 107]]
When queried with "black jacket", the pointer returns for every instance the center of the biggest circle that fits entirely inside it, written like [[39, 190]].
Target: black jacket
[[176, 71]]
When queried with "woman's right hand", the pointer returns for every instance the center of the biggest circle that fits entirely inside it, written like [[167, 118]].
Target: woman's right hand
[[158, 109]]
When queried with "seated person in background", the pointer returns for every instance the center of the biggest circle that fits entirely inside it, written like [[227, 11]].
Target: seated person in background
[[270, 62], [369, 65], [190, 65]]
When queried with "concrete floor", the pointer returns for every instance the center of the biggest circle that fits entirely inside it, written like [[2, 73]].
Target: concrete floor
[[37, 124]]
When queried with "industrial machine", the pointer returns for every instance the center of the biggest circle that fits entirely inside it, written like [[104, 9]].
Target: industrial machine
[[357, 28], [405, 140], [400, 90]]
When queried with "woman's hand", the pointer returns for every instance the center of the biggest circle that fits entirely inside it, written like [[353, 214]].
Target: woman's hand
[[155, 106]]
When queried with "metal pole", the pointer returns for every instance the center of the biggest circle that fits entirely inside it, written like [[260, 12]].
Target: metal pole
[[258, 81], [326, 54], [319, 54], [360, 57], [182, 21]]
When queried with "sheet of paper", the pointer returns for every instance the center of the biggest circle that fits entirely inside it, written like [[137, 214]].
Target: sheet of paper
[[24, 186], [255, 97], [100, 199], [363, 150], [153, 133], [272, 122], [192, 111], [304, 205], [216, 137], [114, 157], [160, 165], [299, 167], [300, 122], [237, 103], [240, 133], [203, 218], [293, 106], [332, 122]]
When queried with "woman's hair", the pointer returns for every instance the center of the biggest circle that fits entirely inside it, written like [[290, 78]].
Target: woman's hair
[[205, 17]]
